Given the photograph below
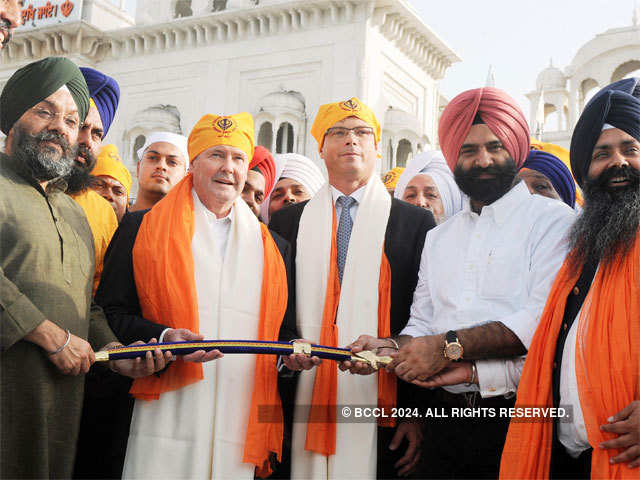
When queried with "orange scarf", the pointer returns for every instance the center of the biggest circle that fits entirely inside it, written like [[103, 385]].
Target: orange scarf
[[321, 432], [607, 368], [164, 272]]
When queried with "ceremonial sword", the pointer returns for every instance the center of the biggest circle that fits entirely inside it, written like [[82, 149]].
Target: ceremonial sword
[[246, 346]]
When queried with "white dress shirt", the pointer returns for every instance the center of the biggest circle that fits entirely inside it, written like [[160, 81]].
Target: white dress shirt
[[356, 195], [496, 266], [573, 434], [220, 228]]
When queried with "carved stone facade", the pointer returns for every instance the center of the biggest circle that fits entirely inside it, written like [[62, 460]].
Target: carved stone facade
[[608, 57], [279, 60]]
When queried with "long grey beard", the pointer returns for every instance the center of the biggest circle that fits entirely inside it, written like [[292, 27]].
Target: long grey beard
[[607, 227], [44, 163]]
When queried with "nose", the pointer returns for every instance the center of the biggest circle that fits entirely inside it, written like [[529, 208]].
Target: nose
[[618, 159], [289, 198], [422, 201], [483, 159]]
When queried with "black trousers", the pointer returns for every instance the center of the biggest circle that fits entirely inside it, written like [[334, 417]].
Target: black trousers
[[468, 447], [564, 466]]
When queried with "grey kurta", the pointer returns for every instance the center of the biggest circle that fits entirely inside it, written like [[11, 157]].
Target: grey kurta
[[46, 272]]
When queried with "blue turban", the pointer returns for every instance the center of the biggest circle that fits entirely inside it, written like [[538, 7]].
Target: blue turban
[[556, 171], [618, 105], [105, 93]]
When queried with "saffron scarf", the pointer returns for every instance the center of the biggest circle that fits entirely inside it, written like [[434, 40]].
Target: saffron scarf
[[607, 367], [164, 273]]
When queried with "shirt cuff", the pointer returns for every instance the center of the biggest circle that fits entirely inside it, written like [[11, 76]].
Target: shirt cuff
[[493, 379], [160, 340], [18, 319]]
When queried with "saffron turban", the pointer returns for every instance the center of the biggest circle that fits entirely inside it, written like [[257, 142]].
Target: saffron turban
[[178, 141], [298, 168], [231, 130], [617, 105], [432, 163], [390, 179], [105, 93], [36, 81], [497, 109], [331, 113], [263, 161], [556, 171], [110, 164], [562, 154]]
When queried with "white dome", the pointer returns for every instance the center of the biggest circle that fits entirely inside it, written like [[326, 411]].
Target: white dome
[[396, 120], [551, 78]]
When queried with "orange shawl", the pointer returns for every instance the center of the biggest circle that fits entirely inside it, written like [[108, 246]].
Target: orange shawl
[[607, 367], [164, 272], [321, 432]]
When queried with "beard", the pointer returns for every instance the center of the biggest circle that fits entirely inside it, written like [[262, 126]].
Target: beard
[[486, 190], [45, 163], [608, 224], [79, 179]]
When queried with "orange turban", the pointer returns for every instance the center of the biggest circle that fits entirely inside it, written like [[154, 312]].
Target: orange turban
[[110, 164], [497, 109], [390, 179], [231, 130], [331, 113], [263, 161]]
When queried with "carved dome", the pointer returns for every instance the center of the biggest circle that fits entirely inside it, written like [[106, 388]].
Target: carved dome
[[551, 78], [283, 101]]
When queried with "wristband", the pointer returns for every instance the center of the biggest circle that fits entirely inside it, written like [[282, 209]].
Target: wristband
[[65, 344]]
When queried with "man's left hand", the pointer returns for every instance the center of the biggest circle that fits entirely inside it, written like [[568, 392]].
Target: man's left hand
[[625, 424], [413, 432], [139, 367], [420, 358]]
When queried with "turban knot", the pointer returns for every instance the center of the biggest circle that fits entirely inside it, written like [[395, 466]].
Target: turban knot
[[263, 161], [618, 105], [36, 81], [105, 94], [497, 110]]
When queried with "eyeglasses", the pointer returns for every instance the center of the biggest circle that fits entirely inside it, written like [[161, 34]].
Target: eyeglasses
[[342, 132], [46, 115]]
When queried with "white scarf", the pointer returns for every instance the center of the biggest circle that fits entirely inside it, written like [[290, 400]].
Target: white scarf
[[199, 431], [356, 443]]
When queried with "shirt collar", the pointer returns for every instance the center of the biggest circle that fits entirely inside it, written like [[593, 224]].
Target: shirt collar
[[502, 208], [356, 194], [209, 215]]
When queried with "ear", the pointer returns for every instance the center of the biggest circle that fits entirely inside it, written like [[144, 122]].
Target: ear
[[138, 168]]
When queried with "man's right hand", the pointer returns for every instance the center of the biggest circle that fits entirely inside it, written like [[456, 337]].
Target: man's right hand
[[299, 361], [185, 335], [77, 357], [366, 342]]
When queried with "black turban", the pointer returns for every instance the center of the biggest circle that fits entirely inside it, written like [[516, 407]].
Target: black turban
[[618, 105], [105, 93], [35, 82]]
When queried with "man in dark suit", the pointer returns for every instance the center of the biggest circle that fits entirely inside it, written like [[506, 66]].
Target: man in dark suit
[[354, 233]]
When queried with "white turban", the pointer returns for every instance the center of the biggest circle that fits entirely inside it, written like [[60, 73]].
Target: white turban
[[432, 163], [179, 141], [298, 168]]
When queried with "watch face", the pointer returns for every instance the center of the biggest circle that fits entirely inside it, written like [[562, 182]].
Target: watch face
[[454, 351]]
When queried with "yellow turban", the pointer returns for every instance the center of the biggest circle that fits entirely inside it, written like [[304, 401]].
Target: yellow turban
[[562, 154], [231, 130], [110, 165], [331, 113], [390, 179]]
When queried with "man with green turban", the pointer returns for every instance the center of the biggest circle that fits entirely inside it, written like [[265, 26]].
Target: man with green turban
[[49, 326]]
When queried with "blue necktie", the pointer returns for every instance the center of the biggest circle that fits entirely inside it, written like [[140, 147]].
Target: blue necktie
[[344, 231]]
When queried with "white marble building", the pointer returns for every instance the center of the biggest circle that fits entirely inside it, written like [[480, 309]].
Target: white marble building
[[608, 57], [277, 59]]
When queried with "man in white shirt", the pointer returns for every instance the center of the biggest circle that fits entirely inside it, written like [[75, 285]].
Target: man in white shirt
[[585, 356], [484, 278]]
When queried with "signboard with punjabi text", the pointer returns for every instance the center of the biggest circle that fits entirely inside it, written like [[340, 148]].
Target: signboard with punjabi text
[[41, 13]]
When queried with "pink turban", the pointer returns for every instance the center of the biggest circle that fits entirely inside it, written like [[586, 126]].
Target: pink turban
[[497, 109]]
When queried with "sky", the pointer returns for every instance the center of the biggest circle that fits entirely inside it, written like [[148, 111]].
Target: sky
[[517, 37]]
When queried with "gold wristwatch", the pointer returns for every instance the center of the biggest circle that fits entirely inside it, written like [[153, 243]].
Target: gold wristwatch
[[452, 347]]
